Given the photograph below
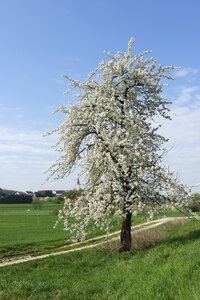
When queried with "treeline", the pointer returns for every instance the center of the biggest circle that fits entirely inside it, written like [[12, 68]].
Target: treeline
[[44, 194], [72, 194], [10, 198], [15, 199], [4, 192]]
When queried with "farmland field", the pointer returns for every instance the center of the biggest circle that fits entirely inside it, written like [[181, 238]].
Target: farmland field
[[23, 228], [28, 231]]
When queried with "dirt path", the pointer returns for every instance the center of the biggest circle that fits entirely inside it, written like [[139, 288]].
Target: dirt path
[[136, 228]]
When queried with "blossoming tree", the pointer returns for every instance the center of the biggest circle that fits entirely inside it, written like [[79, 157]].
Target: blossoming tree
[[110, 133]]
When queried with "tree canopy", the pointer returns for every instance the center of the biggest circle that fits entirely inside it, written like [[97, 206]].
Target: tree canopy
[[111, 134]]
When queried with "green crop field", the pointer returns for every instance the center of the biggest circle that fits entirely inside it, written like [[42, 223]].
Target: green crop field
[[170, 270], [28, 231], [23, 230]]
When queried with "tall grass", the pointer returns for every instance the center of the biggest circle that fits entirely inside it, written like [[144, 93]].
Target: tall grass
[[145, 237]]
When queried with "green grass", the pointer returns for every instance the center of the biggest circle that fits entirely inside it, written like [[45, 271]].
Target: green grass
[[23, 230], [168, 271], [26, 232]]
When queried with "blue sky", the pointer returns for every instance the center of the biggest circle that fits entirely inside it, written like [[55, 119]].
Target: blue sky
[[41, 40]]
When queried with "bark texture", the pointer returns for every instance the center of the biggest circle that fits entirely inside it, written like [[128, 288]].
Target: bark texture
[[125, 236]]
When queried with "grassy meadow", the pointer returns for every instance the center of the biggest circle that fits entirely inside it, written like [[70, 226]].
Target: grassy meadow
[[168, 270], [24, 231], [28, 231], [163, 264]]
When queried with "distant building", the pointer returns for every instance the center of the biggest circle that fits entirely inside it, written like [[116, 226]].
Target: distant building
[[21, 193], [45, 191], [29, 193], [59, 192]]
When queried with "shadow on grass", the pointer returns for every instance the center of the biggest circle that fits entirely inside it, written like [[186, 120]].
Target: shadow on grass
[[185, 238]]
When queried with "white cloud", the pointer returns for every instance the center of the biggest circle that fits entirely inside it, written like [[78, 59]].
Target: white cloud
[[8, 134], [183, 132], [184, 128], [187, 155], [183, 72], [6, 109], [16, 163], [24, 158], [24, 149], [187, 94]]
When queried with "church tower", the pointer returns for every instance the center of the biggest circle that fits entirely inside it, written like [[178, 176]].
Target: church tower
[[78, 185]]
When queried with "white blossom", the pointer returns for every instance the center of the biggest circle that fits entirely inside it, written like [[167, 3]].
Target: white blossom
[[111, 135]]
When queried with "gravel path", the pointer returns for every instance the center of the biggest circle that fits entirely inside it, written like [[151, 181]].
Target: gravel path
[[136, 228]]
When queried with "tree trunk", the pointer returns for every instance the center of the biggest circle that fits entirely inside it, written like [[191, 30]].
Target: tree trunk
[[125, 236]]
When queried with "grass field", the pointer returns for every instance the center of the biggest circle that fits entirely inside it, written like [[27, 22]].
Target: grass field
[[23, 231], [168, 271], [26, 232]]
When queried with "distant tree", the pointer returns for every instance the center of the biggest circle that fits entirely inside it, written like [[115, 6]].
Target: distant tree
[[57, 200], [37, 203], [44, 194], [72, 194], [48, 194], [2, 193], [38, 194], [7, 192], [196, 197], [195, 202], [110, 133], [15, 199]]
